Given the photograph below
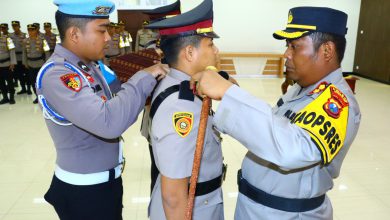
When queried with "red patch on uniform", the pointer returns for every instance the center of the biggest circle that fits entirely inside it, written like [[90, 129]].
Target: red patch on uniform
[[321, 87], [72, 81], [89, 77], [104, 98], [335, 103]]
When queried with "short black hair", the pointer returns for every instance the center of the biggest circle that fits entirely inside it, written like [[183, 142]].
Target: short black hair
[[65, 21], [320, 38], [171, 46]]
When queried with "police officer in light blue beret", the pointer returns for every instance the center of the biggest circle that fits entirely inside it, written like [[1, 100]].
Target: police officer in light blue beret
[[84, 119], [296, 148]]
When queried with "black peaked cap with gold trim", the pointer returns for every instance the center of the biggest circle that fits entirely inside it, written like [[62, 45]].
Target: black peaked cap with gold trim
[[164, 12], [305, 20], [198, 21]]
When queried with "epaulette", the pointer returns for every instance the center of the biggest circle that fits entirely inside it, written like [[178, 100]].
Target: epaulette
[[185, 92]]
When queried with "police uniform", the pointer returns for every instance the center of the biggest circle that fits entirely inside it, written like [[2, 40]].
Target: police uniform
[[297, 147], [86, 122], [174, 118], [35, 53], [146, 38], [7, 58], [20, 70], [126, 36], [115, 46], [50, 38], [157, 14]]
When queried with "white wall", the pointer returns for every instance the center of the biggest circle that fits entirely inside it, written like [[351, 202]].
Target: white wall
[[244, 26]]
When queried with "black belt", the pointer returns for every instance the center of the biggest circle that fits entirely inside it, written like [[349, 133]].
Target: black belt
[[18, 52], [5, 60], [37, 58], [276, 202]]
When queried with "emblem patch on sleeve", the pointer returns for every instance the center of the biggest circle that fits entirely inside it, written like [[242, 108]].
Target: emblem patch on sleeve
[[182, 122], [72, 81]]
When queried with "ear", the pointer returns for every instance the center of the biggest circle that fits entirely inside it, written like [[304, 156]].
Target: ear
[[329, 51], [73, 34], [190, 53]]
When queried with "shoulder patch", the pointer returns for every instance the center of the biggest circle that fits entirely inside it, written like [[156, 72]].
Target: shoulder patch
[[182, 122], [72, 81], [336, 103]]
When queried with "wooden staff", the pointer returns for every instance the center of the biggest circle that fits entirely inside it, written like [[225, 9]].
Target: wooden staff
[[198, 155]]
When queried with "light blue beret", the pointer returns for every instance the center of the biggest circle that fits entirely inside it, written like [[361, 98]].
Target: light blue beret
[[86, 8]]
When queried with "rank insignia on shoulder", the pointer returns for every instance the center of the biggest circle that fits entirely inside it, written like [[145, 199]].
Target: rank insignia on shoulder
[[72, 81], [321, 87], [182, 122]]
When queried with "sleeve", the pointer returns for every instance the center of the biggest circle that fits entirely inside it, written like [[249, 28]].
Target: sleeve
[[13, 57], [174, 146], [106, 119], [268, 136]]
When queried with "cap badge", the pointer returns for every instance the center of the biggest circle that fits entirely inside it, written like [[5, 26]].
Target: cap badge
[[290, 17], [102, 10]]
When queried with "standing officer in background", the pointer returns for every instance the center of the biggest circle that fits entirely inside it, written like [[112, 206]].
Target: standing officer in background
[[296, 148], [83, 118], [38, 26], [187, 44], [146, 38], [35, 53], [126, 37], [21, 73], [50, 37], [116, 46], [7, 65]]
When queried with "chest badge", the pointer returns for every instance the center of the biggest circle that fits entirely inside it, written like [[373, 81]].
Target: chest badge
[[72, 81], [182, 122]]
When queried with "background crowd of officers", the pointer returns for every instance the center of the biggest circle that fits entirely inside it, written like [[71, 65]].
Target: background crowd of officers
[[23, 54]]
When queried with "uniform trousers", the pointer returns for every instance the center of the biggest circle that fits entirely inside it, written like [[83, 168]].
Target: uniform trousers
[[21, 74], [6, 81], [32, 73], [93, 202]]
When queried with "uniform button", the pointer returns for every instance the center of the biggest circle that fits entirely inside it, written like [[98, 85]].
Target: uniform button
[[206, 202]]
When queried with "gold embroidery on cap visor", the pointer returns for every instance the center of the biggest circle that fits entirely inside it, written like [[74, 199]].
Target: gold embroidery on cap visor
[[288, 35]]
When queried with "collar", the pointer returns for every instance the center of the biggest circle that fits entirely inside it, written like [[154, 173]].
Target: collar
[[70, 56], [297, 92], [179, 75]]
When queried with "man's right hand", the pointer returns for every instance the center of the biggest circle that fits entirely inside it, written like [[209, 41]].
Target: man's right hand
[[158, 71], [210, 83]]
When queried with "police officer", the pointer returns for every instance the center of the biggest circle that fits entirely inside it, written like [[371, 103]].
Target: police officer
[[50, 37], [126, 36], [38, 26], [186, 52], [35, 53], [83, 118], [297, 147], [7, 65], [20, 72], [146, 38], [116, 46], [156, 14]]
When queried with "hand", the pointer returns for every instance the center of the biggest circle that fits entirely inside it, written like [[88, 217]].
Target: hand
[[158, 71], [210, 83], [12, 67]]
